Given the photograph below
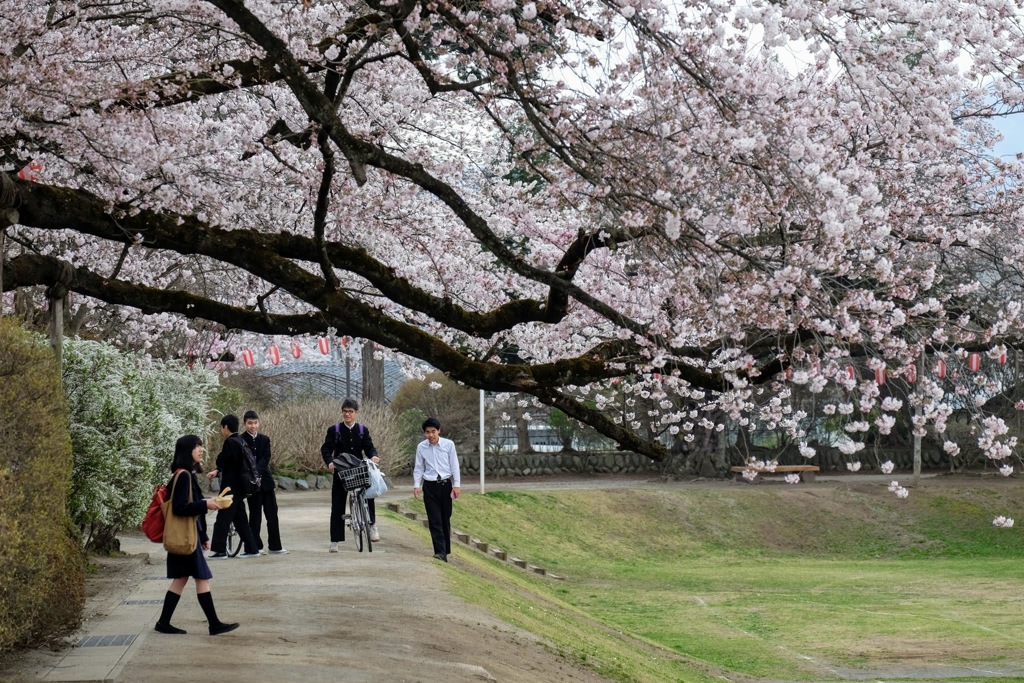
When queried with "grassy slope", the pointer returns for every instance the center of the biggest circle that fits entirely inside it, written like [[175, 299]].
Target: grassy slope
[[768, 582]]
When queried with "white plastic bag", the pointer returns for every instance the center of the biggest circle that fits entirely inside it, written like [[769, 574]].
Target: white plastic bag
[[378, 487]]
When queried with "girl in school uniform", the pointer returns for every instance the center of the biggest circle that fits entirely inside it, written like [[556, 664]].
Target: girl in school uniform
[[188, 454]]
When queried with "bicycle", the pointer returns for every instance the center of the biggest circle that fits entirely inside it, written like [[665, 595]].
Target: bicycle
[[234, 545], [356, 480]]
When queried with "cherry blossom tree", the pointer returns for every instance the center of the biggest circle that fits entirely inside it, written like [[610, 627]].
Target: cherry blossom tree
[[536, 197]]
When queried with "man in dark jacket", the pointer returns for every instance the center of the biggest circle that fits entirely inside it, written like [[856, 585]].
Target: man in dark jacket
[[229, 468], [264, 501], [348, 436]]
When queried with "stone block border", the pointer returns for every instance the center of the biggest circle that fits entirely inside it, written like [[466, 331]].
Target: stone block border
[[480, 546], [322, 482]]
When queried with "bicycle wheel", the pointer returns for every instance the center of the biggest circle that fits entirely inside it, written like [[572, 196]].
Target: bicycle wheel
[[355, 522], [365, 512], [234, 544]]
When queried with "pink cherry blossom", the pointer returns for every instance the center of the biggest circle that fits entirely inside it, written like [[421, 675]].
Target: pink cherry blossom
[[540, 198]]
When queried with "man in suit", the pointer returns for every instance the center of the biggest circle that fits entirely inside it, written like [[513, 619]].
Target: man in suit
[[264, 501], [348, 436], [229, 468]]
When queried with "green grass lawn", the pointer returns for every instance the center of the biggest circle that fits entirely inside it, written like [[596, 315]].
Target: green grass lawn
[[766, 582]]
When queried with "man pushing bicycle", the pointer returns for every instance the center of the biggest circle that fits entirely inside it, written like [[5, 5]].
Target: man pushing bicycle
[[347, 436]]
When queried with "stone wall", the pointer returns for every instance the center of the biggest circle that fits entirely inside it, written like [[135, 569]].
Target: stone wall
[[616, 462], [515, 465], [830, 459]]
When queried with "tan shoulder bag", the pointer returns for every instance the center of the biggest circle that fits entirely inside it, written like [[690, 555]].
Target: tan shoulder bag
[[180, 533]]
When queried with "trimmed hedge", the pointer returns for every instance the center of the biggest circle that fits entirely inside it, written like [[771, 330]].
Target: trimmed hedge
[[42, 567]]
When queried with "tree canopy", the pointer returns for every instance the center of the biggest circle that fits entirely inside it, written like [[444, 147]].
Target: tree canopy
[[537, 197]]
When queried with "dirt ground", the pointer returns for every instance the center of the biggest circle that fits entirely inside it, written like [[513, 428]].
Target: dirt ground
[[312, 616], [315, 616]]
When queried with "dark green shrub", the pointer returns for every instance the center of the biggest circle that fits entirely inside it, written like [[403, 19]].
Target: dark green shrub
[[42, 568]]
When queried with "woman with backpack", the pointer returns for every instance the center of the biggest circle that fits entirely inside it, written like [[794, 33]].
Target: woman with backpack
[[187, 501]]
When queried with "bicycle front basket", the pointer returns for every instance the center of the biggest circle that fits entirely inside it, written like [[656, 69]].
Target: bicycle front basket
[[356, 478]]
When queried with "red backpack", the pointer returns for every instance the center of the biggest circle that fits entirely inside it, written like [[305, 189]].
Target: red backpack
[[153, 522]]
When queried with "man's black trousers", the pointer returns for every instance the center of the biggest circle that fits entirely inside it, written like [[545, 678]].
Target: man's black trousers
[[437, 497], [339, 494], [225, 516], [265, 502]]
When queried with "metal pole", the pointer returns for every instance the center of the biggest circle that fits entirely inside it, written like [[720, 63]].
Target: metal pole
[[348, 371], [1016, 384], [483, 441], [916, 412]]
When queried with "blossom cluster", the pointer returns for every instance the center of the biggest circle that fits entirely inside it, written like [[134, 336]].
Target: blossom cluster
[[718, 227], [900, 491]]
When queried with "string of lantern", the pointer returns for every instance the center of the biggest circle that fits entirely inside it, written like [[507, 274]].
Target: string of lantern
[[249, 357], [273, 353], [909, 373], [882, 374]]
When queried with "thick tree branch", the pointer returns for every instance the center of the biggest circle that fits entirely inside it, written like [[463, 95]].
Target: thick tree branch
[[31, 269], [627, 440], [270, 256], [321, 110], [323, 200]]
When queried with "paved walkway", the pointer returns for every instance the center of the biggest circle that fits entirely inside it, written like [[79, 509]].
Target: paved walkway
[[310, 616]]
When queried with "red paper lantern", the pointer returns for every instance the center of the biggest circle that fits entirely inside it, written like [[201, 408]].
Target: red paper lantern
[[940, 369], [296, 350], [325, 345], [880, 376], [248, 358], [789, 373], [974, 361], [850, 372], [1002, 358], [31, 172], [275, 355], [911, 373], [344, 342]]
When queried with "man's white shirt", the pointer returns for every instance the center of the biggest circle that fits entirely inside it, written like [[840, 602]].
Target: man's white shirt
[[434, 463]]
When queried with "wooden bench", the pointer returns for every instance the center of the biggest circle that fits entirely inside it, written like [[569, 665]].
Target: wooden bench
[[806, 472]]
